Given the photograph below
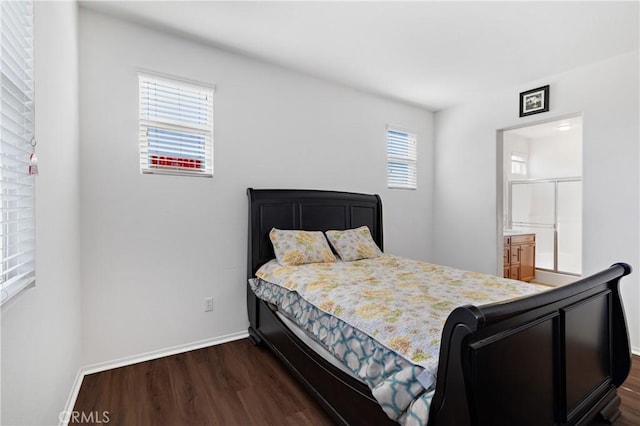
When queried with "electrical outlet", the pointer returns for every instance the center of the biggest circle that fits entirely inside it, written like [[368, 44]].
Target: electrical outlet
[[208, 304]]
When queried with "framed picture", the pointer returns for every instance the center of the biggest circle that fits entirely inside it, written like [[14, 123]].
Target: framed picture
[[534, 101]]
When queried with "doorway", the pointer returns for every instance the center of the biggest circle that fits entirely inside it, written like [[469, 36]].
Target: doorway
[[542, 198]]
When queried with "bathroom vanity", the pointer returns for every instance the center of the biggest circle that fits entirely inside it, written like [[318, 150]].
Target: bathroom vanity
[[519, 256]]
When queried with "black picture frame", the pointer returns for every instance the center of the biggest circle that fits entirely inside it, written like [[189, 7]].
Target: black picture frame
[[534, 101]]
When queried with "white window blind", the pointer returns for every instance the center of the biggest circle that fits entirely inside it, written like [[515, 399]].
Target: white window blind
[[17, 240], [176, 127], [401, 159]]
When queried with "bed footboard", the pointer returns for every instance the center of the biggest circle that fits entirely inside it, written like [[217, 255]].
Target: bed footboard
[[554, 358]]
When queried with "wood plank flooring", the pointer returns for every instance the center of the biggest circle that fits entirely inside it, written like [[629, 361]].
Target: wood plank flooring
[[231, 384], [630, 394]]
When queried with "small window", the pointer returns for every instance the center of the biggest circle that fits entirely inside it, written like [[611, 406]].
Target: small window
[[17, 185], [518, 165], [176, 127], [401, 159]]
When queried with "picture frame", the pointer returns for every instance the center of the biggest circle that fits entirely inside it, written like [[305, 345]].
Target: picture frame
[[534, 101]]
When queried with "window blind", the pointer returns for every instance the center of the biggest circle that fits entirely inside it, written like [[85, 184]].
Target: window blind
[[176, 127], [401, 159], [17, 187]]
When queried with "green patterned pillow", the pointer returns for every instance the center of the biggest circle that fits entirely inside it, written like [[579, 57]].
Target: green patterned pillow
[[354, 244], [299, 247]]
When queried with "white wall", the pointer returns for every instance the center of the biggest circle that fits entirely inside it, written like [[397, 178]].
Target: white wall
[[41, 328], [556, 155], [154, 246], [514, 144], [465, 203]]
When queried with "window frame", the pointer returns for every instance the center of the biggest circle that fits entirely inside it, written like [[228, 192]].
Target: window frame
[[17, 128], [189, 158], [396, 137], [522, 163]]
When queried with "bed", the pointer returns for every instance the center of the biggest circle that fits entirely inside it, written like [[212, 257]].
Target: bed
[[557, 356]]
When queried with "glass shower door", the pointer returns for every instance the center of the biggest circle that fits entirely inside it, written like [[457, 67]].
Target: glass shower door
[[551, 209], [570, 227], [532, 211]]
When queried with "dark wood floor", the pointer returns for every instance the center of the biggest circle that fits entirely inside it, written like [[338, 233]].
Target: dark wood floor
[[630, 394], [231, 384]]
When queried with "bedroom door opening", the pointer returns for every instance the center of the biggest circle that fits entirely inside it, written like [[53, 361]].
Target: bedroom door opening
[[541, 185]]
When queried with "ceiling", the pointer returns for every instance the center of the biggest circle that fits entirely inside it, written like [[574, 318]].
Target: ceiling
[[431, 54]]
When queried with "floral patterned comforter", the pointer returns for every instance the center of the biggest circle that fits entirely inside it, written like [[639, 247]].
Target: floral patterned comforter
[[398, 303]]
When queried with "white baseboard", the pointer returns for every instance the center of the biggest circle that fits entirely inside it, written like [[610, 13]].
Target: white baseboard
[[135, 359], [635, 351], [63, 417]]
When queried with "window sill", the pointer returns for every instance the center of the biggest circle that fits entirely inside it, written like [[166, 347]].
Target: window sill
[[14, 289]]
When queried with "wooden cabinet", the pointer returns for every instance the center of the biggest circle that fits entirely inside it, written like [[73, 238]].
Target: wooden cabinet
[[520, 257]]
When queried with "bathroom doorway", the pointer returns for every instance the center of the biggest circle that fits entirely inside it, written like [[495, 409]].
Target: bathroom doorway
[[542, 201]]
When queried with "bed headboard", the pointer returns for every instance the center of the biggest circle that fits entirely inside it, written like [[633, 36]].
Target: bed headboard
[[309, 210]]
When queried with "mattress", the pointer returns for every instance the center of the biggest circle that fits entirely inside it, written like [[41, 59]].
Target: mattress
[[392, 379], [316, 346], [382, 318]]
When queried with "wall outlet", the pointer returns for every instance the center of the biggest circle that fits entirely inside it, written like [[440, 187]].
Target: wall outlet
[[208, 304]]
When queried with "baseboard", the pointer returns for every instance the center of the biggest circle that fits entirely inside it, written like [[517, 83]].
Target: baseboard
[[135, 359], [64, 416], [635, 351]]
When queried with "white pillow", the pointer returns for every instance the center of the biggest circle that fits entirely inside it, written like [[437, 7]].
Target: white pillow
[[354, 244], [298, 247]]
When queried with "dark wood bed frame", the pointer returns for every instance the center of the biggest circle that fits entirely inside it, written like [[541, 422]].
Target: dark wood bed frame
[[554, 358]]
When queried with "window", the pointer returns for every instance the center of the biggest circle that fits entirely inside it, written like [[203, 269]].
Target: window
[[518, 165], [176, 127], [401, 159], [17, 239]]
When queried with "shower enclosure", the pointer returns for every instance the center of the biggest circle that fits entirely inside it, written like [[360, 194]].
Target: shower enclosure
[[551, 209]]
